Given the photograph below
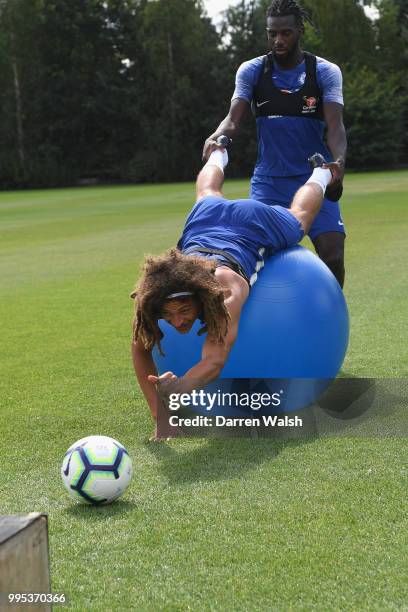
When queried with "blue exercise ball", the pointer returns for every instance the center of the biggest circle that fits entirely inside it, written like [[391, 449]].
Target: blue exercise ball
[[294, 325]]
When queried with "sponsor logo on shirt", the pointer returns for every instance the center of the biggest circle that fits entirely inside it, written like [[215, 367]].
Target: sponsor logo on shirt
[[310, 104]]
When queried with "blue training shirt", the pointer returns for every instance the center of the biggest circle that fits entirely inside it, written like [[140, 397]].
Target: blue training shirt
[[284, 142], [247, 230]]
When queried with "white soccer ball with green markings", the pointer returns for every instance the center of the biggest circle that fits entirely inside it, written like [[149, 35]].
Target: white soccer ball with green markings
[[96, 470]]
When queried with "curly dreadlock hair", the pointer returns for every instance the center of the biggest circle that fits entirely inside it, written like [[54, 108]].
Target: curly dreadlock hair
[[170, 273], [284, 8]]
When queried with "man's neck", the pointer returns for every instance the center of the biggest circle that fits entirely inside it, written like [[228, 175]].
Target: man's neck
[[291, 61]]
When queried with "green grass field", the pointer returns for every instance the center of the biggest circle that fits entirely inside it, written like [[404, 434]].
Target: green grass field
[[233, 524]]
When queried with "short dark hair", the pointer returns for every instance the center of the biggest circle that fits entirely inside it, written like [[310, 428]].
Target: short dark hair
[[284, 8]]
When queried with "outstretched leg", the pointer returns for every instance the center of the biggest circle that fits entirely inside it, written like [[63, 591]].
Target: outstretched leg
[[305, 206], [211, 177], [308, 199]]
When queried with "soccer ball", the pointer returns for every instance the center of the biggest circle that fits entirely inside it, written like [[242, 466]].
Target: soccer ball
[[96, 470]]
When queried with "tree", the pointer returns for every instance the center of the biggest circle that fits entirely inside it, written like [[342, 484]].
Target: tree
[[82, 82], [374, 119], [19, 67], [343, 33], [182, 89], [129, 89], [392, 49]]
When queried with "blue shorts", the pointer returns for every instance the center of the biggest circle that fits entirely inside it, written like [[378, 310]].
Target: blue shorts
[[280, 190], [247, 230]]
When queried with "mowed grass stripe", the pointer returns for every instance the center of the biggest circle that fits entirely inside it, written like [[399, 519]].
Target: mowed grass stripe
[[211, 524], [376, 277], [73, 216], [77, 198], [91, 252], [298, 536]]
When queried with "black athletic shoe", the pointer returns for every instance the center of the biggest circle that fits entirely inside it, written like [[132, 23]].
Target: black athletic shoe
[[224, 141], [333, 192]]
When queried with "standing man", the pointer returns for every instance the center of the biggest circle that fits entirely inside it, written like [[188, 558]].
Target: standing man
[[294, 96]]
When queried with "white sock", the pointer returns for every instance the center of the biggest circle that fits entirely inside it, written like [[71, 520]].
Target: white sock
[[322, 177], [218, 158]]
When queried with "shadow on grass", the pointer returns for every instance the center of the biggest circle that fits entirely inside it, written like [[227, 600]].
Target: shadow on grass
[[351, 402], [100, 513], [217, 459], [353, 407], [348, 397]]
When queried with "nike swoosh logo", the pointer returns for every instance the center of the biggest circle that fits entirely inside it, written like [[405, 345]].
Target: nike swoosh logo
[[340, 222], [262, 103]]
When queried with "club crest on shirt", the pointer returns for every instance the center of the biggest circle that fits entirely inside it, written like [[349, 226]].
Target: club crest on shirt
[[310, 104]]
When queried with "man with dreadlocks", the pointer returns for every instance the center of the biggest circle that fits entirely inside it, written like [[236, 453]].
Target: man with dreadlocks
[[294, 95], [208, 276]]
